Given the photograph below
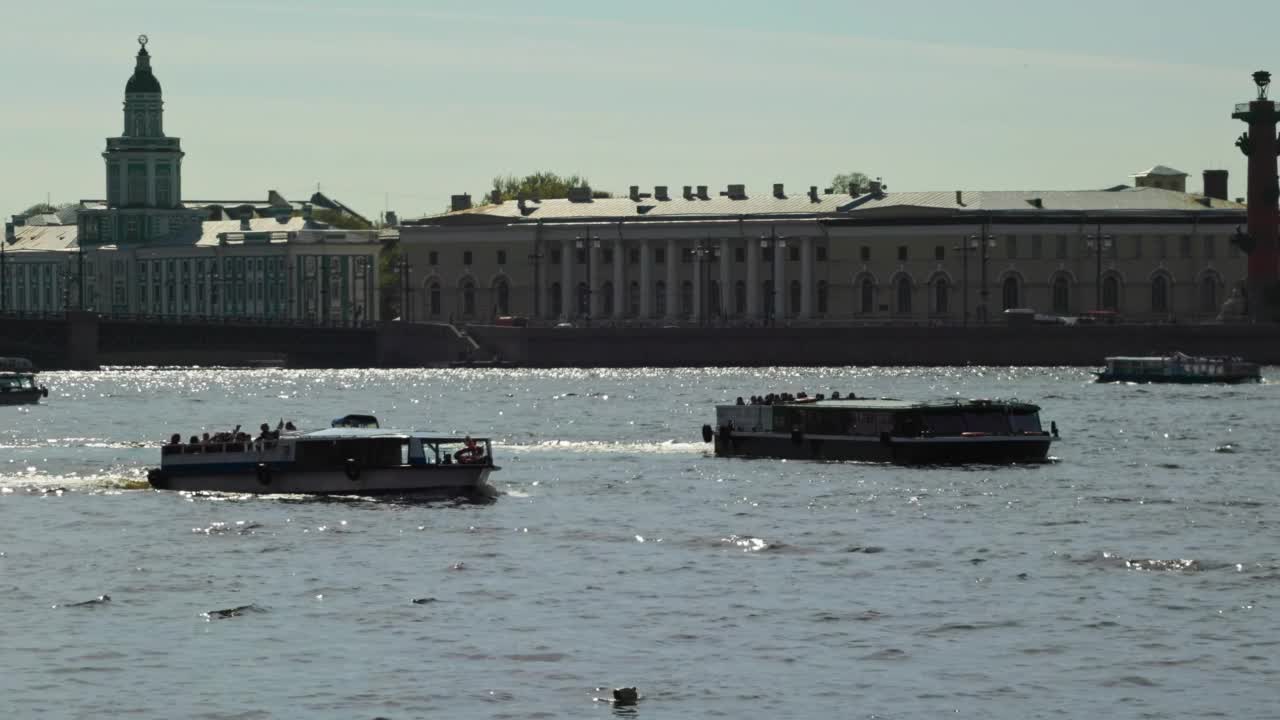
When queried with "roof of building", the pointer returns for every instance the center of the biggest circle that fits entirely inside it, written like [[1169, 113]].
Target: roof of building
[[1161, 170], [1122, 198], [274, 203], [63, 238], [42, 238], [143, 80]]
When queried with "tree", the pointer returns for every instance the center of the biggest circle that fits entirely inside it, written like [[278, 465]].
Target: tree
[[854, 183], [543, 185], [45, 208]]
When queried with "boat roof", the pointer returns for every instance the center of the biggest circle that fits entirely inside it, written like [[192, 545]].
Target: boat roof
[[15, 364], [892, 404], [349, 433], [1175, 356]]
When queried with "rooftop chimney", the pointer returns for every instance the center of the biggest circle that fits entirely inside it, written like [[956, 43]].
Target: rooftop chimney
[[1215, 184], [877, 188], [10, 236], [703, 193], [660, 192], [736, 192], [459, 202], [244, 223], [495, 197], [813, 193], [635, 193], [306, 213], [688, 192], [960, 198], [1037, 203], [580, 194], [778, 192]]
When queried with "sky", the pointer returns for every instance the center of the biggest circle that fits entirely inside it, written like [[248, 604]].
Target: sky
[[397, 104]]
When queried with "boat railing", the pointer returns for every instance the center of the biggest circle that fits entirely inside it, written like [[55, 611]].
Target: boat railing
[[209, 448]]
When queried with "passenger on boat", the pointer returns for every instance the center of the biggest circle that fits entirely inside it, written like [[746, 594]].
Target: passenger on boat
[[194, 441], [175, 439], [740, 402], [205, 439]]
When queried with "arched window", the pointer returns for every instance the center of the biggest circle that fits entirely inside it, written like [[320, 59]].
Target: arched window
[[1009, 292], [903, 287], [796, 293], [766, 291], [686, 298], [823, 291], [468, 297], [633, 301], [1061, 295], [606, 302], [501, 297], [868, 292], [660, 299], [940, 289], [740, 298], [584, 299], [713, 302], [1110, 293], [433, 295], [1209, 294], [1159, 294], [556, 299]]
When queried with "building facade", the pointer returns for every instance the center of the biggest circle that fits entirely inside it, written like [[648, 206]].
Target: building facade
[[1148, 254], [144, 251]]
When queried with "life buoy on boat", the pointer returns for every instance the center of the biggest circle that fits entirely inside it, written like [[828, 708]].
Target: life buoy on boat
[[707, 434], [264, 473], [352, 469], [469, 455]]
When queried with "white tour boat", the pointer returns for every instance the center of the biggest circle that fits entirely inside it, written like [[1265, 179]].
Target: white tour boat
[[353, 457]]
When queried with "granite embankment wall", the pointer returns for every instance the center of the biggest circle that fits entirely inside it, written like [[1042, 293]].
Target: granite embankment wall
[[881, 345]]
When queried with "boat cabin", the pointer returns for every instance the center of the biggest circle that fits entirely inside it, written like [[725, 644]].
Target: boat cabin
[[875, 418]]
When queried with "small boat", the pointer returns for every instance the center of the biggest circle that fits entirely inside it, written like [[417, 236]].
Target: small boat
[[354, 456], [1180, 368], [18, 382], [884, 430]]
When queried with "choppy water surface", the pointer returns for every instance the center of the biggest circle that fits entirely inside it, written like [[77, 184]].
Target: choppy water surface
[[1138, 576]]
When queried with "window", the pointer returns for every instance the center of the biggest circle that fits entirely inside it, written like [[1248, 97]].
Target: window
[[821, 252], [1162, 248], [1209, 294], [584, 300], [686, 298], [606, 299], [1037, 247], [713, 300], [1110, 293], [1061, 252], [939, 252], [660, 256], [739, 254], [633, 256], [660, 298], [502, 257], [131, 228], [633, 299], [902, 252], [940, 296], [1137, 247], [580, 256], [555, 257], [686, 255], [864, 253], [903, 287], [1184, 247], [501, 297], [1159, 294], [793, 253], [1009, 293], [433, 258], [868, 292], [766, 292], [1061, 295], [433, 293], [137, 184], [823, 291], [796, 297], [1011, 247], [766, 254], [556, 299], [607, 255], [1210, 247], [740, 298], [466, 257]]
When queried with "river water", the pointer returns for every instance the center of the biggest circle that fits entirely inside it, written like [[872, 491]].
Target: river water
[[1137, 576]]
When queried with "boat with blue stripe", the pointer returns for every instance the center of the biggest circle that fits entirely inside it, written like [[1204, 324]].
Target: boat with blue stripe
[[352, 457]]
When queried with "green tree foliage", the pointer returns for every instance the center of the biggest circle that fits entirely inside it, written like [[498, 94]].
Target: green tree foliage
[[45, 208], [390, 282], [853, 183], [542, 185]]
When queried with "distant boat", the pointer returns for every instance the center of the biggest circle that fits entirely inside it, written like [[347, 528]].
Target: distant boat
[[18, 382], [893, 431], [1180, 368]]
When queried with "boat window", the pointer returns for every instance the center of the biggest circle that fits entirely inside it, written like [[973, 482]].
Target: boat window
[[1025, 422], [987, 422], [944, 423], [333, 454]]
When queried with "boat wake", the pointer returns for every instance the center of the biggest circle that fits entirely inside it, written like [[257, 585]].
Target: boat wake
[[667, 447]]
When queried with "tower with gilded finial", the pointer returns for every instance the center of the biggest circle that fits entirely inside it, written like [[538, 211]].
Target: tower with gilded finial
[[1259, 144]]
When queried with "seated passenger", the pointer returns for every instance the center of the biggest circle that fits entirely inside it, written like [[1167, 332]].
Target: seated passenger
[[175, 439]]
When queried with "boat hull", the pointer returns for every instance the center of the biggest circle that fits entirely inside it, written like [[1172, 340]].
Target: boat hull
[[21, 397], [989, 450], [1179, 379], [444, 480]]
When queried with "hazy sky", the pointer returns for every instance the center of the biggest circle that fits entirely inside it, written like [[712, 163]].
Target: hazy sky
[[391, 102]]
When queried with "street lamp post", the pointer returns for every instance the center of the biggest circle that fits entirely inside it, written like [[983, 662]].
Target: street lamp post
[[777, 243], [403, 266], [586, 245], [980, 242], [707, 254], [536, 258], [1098, 242]]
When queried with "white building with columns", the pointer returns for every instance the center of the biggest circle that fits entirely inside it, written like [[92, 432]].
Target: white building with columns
[[733, 257], [145, 251]]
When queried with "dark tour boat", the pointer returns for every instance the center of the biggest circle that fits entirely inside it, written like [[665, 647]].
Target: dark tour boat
[[894, 431], [1180, 368], [18, 382]]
